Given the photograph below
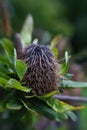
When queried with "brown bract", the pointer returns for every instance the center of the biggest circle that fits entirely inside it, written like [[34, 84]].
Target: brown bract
[[42, 72]]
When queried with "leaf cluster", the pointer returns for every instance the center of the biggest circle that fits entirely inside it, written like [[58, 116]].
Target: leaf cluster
[[17, 97]]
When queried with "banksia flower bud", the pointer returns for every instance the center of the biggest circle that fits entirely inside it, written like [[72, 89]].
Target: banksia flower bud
[[42, 69]]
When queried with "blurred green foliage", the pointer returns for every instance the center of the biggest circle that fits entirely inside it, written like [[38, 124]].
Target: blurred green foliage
[[48, 15], [66, 17]]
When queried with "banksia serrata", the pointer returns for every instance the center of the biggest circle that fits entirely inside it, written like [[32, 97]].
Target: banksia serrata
[[42, 70]]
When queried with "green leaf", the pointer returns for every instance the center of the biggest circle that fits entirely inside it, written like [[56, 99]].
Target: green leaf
[[56, 41], [26, 32], [71, 115], [12, 83], [30, 96], [68, 75], [9, 49], [3, 82], [3, 60], [27, 107], [4, 69], [8, 45], [15, 57], [1, 48], [21, 68], [55, 52], [66, 57], [63, 68], [49, 94], [60, 106], [40, 106], [13, 106], [72, 84], [3, 75]]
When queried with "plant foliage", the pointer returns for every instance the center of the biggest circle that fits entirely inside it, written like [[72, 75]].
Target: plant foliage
[[18, 95]]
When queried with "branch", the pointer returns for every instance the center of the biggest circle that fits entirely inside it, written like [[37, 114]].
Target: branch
[[5, 18], [71, 98]]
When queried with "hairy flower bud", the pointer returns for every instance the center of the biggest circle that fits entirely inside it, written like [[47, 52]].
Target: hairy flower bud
[[42, 69]]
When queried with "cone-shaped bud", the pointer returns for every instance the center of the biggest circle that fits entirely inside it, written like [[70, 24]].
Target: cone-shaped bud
[[42, 72]]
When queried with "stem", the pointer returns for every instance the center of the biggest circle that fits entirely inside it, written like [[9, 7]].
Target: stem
[[71, 98]]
